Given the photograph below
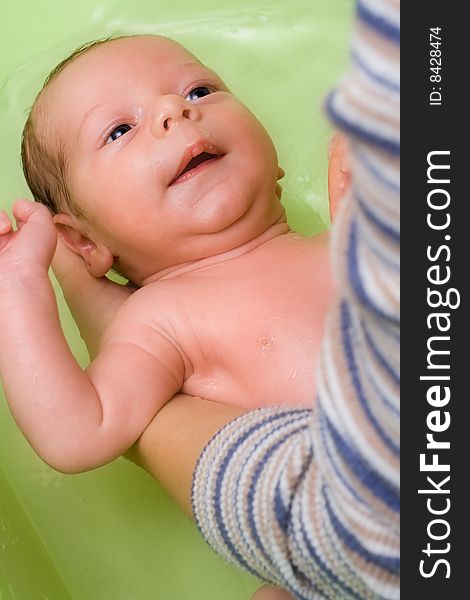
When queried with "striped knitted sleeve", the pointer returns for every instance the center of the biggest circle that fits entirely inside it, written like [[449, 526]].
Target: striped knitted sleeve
[[309, 499]]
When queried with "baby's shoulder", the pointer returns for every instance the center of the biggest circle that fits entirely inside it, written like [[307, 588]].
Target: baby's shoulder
[[151, 308], [146, 321]]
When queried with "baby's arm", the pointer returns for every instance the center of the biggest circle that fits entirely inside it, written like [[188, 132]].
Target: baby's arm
[[76, 420], [92, 301]]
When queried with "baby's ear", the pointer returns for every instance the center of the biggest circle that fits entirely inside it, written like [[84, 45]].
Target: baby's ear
[[97, 257]]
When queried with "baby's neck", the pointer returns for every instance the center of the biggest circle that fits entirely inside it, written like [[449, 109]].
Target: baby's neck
[[189, 267]]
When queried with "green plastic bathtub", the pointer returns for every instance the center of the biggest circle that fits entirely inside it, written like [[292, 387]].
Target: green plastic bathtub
[[113, 534]]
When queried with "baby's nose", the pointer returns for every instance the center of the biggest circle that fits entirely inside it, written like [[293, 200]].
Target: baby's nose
[[173, 110]]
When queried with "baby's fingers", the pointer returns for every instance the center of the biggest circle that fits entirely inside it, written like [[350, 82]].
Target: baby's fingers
[[5, 223], [6, 230], [36, 237], [24, 211]]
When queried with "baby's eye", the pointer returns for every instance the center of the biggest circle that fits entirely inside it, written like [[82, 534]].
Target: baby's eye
[[198, 92], [118, 132]]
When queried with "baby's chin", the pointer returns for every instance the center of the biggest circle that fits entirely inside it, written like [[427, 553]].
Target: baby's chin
[[217, 227]]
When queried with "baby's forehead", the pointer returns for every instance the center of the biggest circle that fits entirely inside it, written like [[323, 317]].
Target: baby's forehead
[[155, 47], [126, 55], [126, 58]]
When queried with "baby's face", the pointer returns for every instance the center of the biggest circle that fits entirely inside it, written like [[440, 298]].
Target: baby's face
[[166, 163]]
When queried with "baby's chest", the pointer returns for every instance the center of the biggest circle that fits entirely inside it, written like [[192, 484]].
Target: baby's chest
[[255, 338], [256, 318]]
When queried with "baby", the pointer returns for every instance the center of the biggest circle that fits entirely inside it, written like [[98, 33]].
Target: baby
[[150, 165]]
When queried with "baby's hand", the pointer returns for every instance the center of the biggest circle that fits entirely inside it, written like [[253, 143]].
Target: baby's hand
[[338, 172], [28, 250]]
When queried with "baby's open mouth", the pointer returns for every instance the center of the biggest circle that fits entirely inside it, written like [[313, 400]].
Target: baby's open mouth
[[193, 164]]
